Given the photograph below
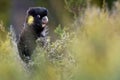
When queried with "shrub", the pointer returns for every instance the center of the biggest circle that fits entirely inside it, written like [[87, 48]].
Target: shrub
[[89, 53]]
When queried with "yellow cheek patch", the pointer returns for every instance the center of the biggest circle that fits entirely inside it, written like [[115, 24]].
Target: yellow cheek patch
[[30, 20]]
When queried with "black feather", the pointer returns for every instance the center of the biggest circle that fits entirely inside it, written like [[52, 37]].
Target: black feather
[[27, 39]]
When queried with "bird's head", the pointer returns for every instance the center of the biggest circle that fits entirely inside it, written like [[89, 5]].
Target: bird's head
[[37, 16]]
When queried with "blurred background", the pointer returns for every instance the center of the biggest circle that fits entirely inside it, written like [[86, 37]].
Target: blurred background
[[13, 12], [89, 50], [63, 12]]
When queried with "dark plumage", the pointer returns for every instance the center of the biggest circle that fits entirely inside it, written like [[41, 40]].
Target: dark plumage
[[34, 27]]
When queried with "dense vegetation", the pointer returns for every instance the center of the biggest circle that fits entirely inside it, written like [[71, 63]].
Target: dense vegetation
[[87, 49]]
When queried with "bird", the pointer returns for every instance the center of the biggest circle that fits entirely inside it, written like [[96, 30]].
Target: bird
[[36, 21]]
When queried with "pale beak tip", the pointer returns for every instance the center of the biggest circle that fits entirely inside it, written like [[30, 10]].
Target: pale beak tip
[[44, 21]]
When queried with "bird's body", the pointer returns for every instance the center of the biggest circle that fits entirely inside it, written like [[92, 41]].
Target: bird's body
[[35, 24]]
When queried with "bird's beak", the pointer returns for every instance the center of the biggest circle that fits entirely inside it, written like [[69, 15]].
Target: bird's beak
[[44, 21]]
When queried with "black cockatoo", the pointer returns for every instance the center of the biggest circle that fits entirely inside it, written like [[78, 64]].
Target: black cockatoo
[[35, 25]]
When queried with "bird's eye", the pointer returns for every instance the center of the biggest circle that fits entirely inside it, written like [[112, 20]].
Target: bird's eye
[[38, 16]]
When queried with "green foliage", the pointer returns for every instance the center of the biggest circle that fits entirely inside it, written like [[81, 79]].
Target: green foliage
[[91, 53], [101, 3], [53, 59], [75, 6], [78, 6], [4, 10], [10, 67], [59, 31], [2, 31]]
